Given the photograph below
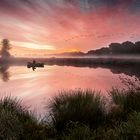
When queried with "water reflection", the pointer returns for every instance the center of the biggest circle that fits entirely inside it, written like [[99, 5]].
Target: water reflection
[[36, 88], [4, 73], [127, 70]]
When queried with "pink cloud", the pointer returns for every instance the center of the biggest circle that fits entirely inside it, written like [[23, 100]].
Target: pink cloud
[[66, 27]]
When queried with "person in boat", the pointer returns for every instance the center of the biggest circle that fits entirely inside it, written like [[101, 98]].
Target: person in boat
[[34, 63]]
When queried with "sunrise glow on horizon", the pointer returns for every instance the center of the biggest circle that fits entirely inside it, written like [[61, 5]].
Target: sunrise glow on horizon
[[68, 25]]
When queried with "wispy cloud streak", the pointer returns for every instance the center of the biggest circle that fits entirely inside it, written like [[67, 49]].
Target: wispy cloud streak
[[61, 25]]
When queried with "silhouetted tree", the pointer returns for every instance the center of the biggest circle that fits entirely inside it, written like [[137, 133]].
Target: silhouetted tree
[[137, 47], [128, 47], [115, 48], [104, 51], [5, 49]]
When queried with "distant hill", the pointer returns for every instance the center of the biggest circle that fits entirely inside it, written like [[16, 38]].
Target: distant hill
[[71, 54]]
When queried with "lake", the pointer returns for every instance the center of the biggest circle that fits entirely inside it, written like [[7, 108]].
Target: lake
[[37, 88]]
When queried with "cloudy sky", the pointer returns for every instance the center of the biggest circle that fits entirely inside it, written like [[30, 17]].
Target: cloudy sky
[[69, 25]]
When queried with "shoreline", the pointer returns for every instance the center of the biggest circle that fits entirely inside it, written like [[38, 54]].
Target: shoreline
[[129, 66]]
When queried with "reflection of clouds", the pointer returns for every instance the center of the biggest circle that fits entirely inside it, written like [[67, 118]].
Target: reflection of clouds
[[4, 73], [39, 87]]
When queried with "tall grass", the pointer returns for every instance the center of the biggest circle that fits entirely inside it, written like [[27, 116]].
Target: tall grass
[[131, 128], [126, 101], [126, 130], [10, 126], [16, 122], [84, 106], [78, 132]]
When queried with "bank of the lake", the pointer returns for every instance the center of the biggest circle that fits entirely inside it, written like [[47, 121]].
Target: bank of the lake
[[75, 115]]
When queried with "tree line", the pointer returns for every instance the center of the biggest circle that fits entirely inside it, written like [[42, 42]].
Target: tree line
[[118, 48], [114, 48]]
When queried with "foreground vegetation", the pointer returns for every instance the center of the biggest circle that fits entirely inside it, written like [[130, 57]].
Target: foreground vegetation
[[75, 115]]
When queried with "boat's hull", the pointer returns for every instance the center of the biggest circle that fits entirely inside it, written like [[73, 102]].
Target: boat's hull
[[30, 65]]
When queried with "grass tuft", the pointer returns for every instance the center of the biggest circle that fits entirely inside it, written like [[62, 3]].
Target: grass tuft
[[84, 106], [16, 122]]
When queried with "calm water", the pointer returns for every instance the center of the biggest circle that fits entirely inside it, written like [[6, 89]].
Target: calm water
[[36, 88]]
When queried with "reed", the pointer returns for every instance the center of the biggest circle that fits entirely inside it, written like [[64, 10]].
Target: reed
[[16, 122], [84, 106]]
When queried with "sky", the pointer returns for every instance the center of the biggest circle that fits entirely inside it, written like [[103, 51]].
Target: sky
[[55, 26]]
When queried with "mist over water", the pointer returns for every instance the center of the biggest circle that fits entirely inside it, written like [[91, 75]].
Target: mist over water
[[98, 56]]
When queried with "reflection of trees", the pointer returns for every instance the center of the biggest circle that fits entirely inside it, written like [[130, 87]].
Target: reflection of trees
[[128, 68], [4, 73]]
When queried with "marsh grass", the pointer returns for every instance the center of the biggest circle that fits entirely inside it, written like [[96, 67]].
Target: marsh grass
[[16, 122], [126, 130], [84, 106], [130, 129], [125, 101], [10, 126], [78, 132]]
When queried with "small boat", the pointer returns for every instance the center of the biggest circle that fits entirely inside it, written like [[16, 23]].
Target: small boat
[[30, 64], [34, 65]]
